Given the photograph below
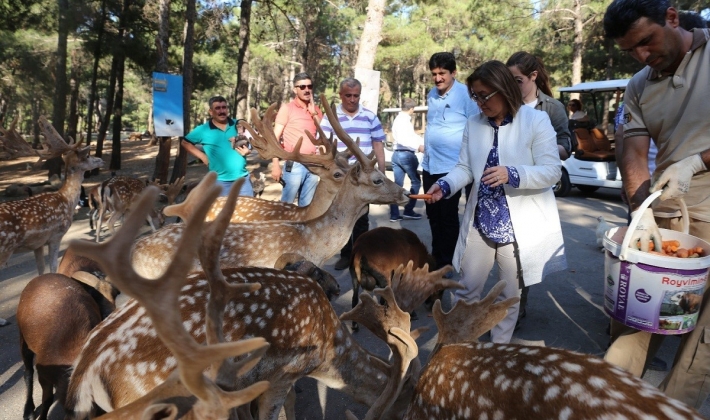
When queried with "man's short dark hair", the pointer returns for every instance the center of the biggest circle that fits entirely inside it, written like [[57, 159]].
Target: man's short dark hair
[[301, 76], [689, 20], [216, 99], [621, 15], [443, 60], [408, 104]]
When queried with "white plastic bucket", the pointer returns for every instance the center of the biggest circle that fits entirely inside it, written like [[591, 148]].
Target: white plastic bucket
[[651, 292]]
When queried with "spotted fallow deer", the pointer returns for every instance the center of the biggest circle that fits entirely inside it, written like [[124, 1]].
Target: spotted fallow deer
[[261, 244], [468, 379], [330, 166], [187, 393], [31, 223], [117, 195], [124, 359]]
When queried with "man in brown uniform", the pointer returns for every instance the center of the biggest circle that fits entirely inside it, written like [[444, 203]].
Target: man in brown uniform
[[666, 101]]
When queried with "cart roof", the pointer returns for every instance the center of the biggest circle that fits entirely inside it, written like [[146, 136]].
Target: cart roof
[[599, 86]]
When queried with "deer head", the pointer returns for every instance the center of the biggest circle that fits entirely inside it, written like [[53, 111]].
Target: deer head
[[159, 297]]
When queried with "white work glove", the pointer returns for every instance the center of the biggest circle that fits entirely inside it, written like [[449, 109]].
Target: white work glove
[[646, 230], [678, 177]]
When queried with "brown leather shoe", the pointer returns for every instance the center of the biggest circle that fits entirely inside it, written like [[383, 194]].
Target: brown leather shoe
[[342, 263]]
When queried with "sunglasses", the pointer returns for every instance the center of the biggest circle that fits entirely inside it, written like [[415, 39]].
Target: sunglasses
[[304, 87]]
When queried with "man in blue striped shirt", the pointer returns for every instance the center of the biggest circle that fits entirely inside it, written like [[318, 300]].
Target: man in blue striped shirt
[[358, 122]]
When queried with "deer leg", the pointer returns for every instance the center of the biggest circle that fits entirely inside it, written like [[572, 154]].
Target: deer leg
[[356, 291], [271, 401], [53, 251], [99, 222], [28, 361], [47, 392], [289, 407], [149, 218], [112, 221], [39, 259]]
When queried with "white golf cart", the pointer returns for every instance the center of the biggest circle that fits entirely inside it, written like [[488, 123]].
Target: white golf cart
[[593, 164]]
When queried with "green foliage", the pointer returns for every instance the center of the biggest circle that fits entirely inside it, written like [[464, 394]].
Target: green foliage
[[289, 36]]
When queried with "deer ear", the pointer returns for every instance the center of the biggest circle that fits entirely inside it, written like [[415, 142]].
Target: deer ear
[[160, 412], [355, 172]]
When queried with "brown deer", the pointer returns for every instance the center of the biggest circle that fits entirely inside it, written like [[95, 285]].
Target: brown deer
[[31, 223], [188, 393], [298, 264], [331, 167], [290, 310], [260, 244], [509, 381], [377, 253], [55, 315]]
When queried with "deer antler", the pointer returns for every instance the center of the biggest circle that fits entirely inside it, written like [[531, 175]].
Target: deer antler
[[160, 299], [194, 200], [391, 324], [268, 146], [173, 190], [345, 137], [465, 322], [412, 287], [54, 145]]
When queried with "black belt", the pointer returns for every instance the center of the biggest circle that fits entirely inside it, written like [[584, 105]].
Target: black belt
[[402, 150]]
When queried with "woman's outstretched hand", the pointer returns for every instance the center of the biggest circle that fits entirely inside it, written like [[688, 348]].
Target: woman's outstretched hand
[[436, 194]]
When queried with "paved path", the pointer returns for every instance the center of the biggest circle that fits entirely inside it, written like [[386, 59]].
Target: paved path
[[564, 311]]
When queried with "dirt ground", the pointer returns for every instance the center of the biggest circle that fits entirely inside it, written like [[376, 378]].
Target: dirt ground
[[137, 160]]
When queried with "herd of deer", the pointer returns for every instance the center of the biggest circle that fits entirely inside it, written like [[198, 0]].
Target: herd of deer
[[229, 310]]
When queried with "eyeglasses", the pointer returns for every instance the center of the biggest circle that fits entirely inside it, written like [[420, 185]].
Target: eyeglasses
[[484, 99], [304, 87]]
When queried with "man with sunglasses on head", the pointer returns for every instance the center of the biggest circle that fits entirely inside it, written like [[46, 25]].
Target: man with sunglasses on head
[[215, 136], [292, 120], [358, 122], [449, 108]]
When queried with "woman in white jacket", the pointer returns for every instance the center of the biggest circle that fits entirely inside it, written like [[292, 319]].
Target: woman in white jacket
[[509, 152]]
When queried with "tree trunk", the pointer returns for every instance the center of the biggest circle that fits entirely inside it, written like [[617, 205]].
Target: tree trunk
[[54, 165], [94, 76], [578, 44], [103, 128], [241, 104], [180, 165], [162, 42], [371, 34], [162, 161], [36, 107], [120, 55], [73, 97], [60, 76]]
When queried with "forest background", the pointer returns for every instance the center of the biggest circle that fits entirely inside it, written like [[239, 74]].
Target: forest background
[[88, 63]]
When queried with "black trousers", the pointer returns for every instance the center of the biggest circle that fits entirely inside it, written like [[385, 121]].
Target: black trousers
[[443, 221], [362, 225]]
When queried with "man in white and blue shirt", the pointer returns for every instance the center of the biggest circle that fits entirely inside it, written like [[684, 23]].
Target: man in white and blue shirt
[[358, 122], [449, 107]]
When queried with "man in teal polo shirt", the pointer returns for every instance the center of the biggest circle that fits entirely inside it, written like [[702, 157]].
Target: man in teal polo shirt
[[214, 137]]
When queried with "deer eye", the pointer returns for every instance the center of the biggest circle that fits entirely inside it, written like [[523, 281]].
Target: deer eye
[[379, 181], [337, 175]]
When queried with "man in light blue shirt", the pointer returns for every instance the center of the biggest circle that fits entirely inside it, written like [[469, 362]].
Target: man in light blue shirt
[[450, 106]]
